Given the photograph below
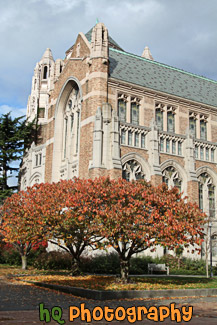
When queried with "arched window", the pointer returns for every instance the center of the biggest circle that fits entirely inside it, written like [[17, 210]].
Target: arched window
[[45, 73], [207, 195], [172, 178], [132, 170]]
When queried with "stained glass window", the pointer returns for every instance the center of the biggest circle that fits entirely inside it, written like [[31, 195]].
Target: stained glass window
[[192, 126], [143, 140], [122, 111], [159, 119], [170, 122], [203, 130], [134, 113]]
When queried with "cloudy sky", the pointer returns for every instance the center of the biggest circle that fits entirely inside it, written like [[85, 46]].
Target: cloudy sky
[[181, 33]]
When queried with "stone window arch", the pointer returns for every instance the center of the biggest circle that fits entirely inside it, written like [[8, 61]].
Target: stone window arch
[[135, 167], [66, 138], [35, 179]]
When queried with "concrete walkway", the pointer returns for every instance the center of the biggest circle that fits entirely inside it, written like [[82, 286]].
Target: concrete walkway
[[20, 305]]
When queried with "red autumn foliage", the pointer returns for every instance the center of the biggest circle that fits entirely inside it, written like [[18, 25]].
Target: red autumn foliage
[[135, 216], [75, 214]]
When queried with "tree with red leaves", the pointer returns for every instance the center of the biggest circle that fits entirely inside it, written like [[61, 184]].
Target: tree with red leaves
[[70, 223], [21, 225], [135, 216]]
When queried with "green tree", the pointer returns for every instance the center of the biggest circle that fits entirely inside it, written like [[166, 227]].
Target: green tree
[[16, 134]]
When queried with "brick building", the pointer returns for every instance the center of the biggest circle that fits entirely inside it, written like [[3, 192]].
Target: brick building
[[104, 111]]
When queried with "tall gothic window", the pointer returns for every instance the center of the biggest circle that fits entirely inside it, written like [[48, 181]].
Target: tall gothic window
[[159, 119], [207, 195], [159, 109], [122, 110], [170, 121], [192, 124], [211, 197], [132, 170], [172, 178], [134, 112], [203, 127]]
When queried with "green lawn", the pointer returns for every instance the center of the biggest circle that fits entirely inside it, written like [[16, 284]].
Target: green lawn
[[107, 282]]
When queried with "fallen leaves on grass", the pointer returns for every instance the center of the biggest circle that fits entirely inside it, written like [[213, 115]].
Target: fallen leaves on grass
[[95, 282]]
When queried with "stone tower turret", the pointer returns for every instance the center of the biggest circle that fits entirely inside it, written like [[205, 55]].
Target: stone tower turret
[[46, 72], [99, 41]]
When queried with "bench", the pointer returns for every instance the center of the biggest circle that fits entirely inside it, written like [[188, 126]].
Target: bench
[[158, 267]]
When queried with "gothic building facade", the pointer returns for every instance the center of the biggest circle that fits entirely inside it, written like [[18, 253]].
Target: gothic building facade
[[104, 111]]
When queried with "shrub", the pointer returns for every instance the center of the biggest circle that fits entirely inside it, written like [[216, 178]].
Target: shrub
[[101, 264], [10, 256], [53, 261], [139, 265]]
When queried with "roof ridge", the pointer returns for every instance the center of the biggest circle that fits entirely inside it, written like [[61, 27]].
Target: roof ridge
[[163, 65]]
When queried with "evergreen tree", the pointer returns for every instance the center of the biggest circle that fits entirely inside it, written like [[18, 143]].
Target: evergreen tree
[[15, 136]]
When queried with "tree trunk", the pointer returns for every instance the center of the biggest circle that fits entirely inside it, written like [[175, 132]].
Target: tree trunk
[[179, 263], [124, 265], [76, 267], [24, 262], [207, 265]]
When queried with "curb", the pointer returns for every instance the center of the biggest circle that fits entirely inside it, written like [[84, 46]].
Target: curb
[[114, 295]]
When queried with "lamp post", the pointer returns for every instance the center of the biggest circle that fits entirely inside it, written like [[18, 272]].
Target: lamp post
[[210, 244]]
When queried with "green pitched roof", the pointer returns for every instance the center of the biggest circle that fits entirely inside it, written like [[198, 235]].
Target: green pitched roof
[[160, 77], [111, 41]]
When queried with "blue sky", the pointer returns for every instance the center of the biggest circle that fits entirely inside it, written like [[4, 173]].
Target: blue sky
[[181, 33]]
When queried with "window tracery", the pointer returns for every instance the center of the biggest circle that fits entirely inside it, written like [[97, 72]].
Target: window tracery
[[132, 170], [172, 178]]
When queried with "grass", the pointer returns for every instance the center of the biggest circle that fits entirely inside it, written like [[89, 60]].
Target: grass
[[8, 270], [96, 282]]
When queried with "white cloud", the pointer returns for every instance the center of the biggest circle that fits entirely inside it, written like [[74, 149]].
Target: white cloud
[[15, 111]]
